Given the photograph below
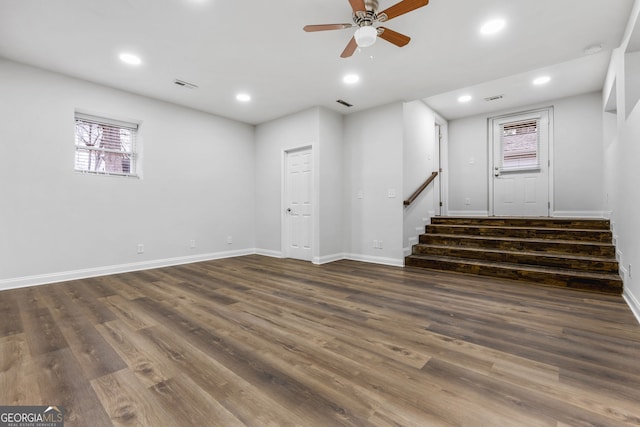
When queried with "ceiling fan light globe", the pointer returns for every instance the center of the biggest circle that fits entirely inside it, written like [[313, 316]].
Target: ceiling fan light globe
[[366, 36]]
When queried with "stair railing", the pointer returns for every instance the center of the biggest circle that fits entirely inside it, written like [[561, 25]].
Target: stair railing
[[420, 189]]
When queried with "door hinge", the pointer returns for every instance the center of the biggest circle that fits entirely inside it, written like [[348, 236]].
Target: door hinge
[[440, 170], [549, 163], [549, 205], [441, 204]]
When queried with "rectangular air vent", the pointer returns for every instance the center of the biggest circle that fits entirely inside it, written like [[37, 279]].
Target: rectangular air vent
[[185, 84], [494, 98], [345, 103]]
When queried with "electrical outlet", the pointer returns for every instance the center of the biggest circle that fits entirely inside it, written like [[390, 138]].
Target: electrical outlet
[[379, 244], [467, 201], [140, 248], [192, 244], [375, 244], [229, 240]]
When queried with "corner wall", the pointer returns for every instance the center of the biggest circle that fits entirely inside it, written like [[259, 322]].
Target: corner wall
[[622, 156], [374, 185], [419, 161], [320, 129], [197, 184]]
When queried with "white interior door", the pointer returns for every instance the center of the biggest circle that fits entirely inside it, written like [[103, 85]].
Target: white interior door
[[298, 207], [520, 169]]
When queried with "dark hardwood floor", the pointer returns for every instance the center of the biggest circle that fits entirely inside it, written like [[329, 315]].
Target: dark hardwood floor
[[255, 341]]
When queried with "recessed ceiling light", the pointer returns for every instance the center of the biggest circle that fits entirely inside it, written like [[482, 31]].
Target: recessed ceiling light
[[351, 79], [130, 58], [493, 26], [243, 97], [464, 98], [541, 80]]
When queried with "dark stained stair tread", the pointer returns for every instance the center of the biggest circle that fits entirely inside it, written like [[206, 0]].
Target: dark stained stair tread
[[526, 221], [517, 243], [566, 252], [584, 234], [594, 281], [582, 262]]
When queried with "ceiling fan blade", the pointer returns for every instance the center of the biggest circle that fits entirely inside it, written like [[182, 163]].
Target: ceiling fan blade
[[357, 5], [326, 27], [350, 49], [393, 37], [401, 8]]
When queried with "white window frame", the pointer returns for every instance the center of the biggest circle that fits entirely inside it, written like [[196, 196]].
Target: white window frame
[[130, 152]]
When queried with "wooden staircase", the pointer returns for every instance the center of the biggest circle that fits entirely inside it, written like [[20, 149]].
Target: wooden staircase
[[572, 253]]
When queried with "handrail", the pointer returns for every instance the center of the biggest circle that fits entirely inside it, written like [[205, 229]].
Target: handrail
[[416, 193]]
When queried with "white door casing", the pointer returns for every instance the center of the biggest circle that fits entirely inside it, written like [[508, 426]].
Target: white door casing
[[437, 185], [520, 187], [298, 196]]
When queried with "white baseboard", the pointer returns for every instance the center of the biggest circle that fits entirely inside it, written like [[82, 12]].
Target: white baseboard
[[468, 213], [376, 260], [579, 214], [633, 303], [269, 253], [328, 258], [63, 276]]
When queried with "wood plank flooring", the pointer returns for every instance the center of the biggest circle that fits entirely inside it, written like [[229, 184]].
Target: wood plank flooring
[[255, 341]]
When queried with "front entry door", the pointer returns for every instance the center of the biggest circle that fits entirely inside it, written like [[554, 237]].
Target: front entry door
[[298, 197], [520, 166]]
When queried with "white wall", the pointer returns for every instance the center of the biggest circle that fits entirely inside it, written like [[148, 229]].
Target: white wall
[[577, 159], [468, 166], [622, 156], [272, 140], [321, 130], [331, 185], [419, 161], [198, 183], [578, 156], [373, 167]]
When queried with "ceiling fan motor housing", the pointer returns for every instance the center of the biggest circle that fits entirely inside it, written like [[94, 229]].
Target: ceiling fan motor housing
[[366, 18]]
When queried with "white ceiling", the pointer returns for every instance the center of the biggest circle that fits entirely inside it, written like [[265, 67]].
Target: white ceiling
[[258, 46]]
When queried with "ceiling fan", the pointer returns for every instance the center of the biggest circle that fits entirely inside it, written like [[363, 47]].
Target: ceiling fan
[[365, 14]]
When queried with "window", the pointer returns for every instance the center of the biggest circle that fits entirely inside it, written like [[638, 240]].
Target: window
[[520, 142], [105, 146]]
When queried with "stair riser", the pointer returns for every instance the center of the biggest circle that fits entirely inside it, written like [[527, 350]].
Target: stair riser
[[526, 222], [605, 251], [550, 279], [604, 266], [531, 233]]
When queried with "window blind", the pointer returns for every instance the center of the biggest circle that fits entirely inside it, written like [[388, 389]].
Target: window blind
[[105, 146], [520, 144]]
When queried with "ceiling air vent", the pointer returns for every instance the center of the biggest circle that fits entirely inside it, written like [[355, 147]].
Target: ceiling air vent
[[185, 84], [494, 98], [345, 103]]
